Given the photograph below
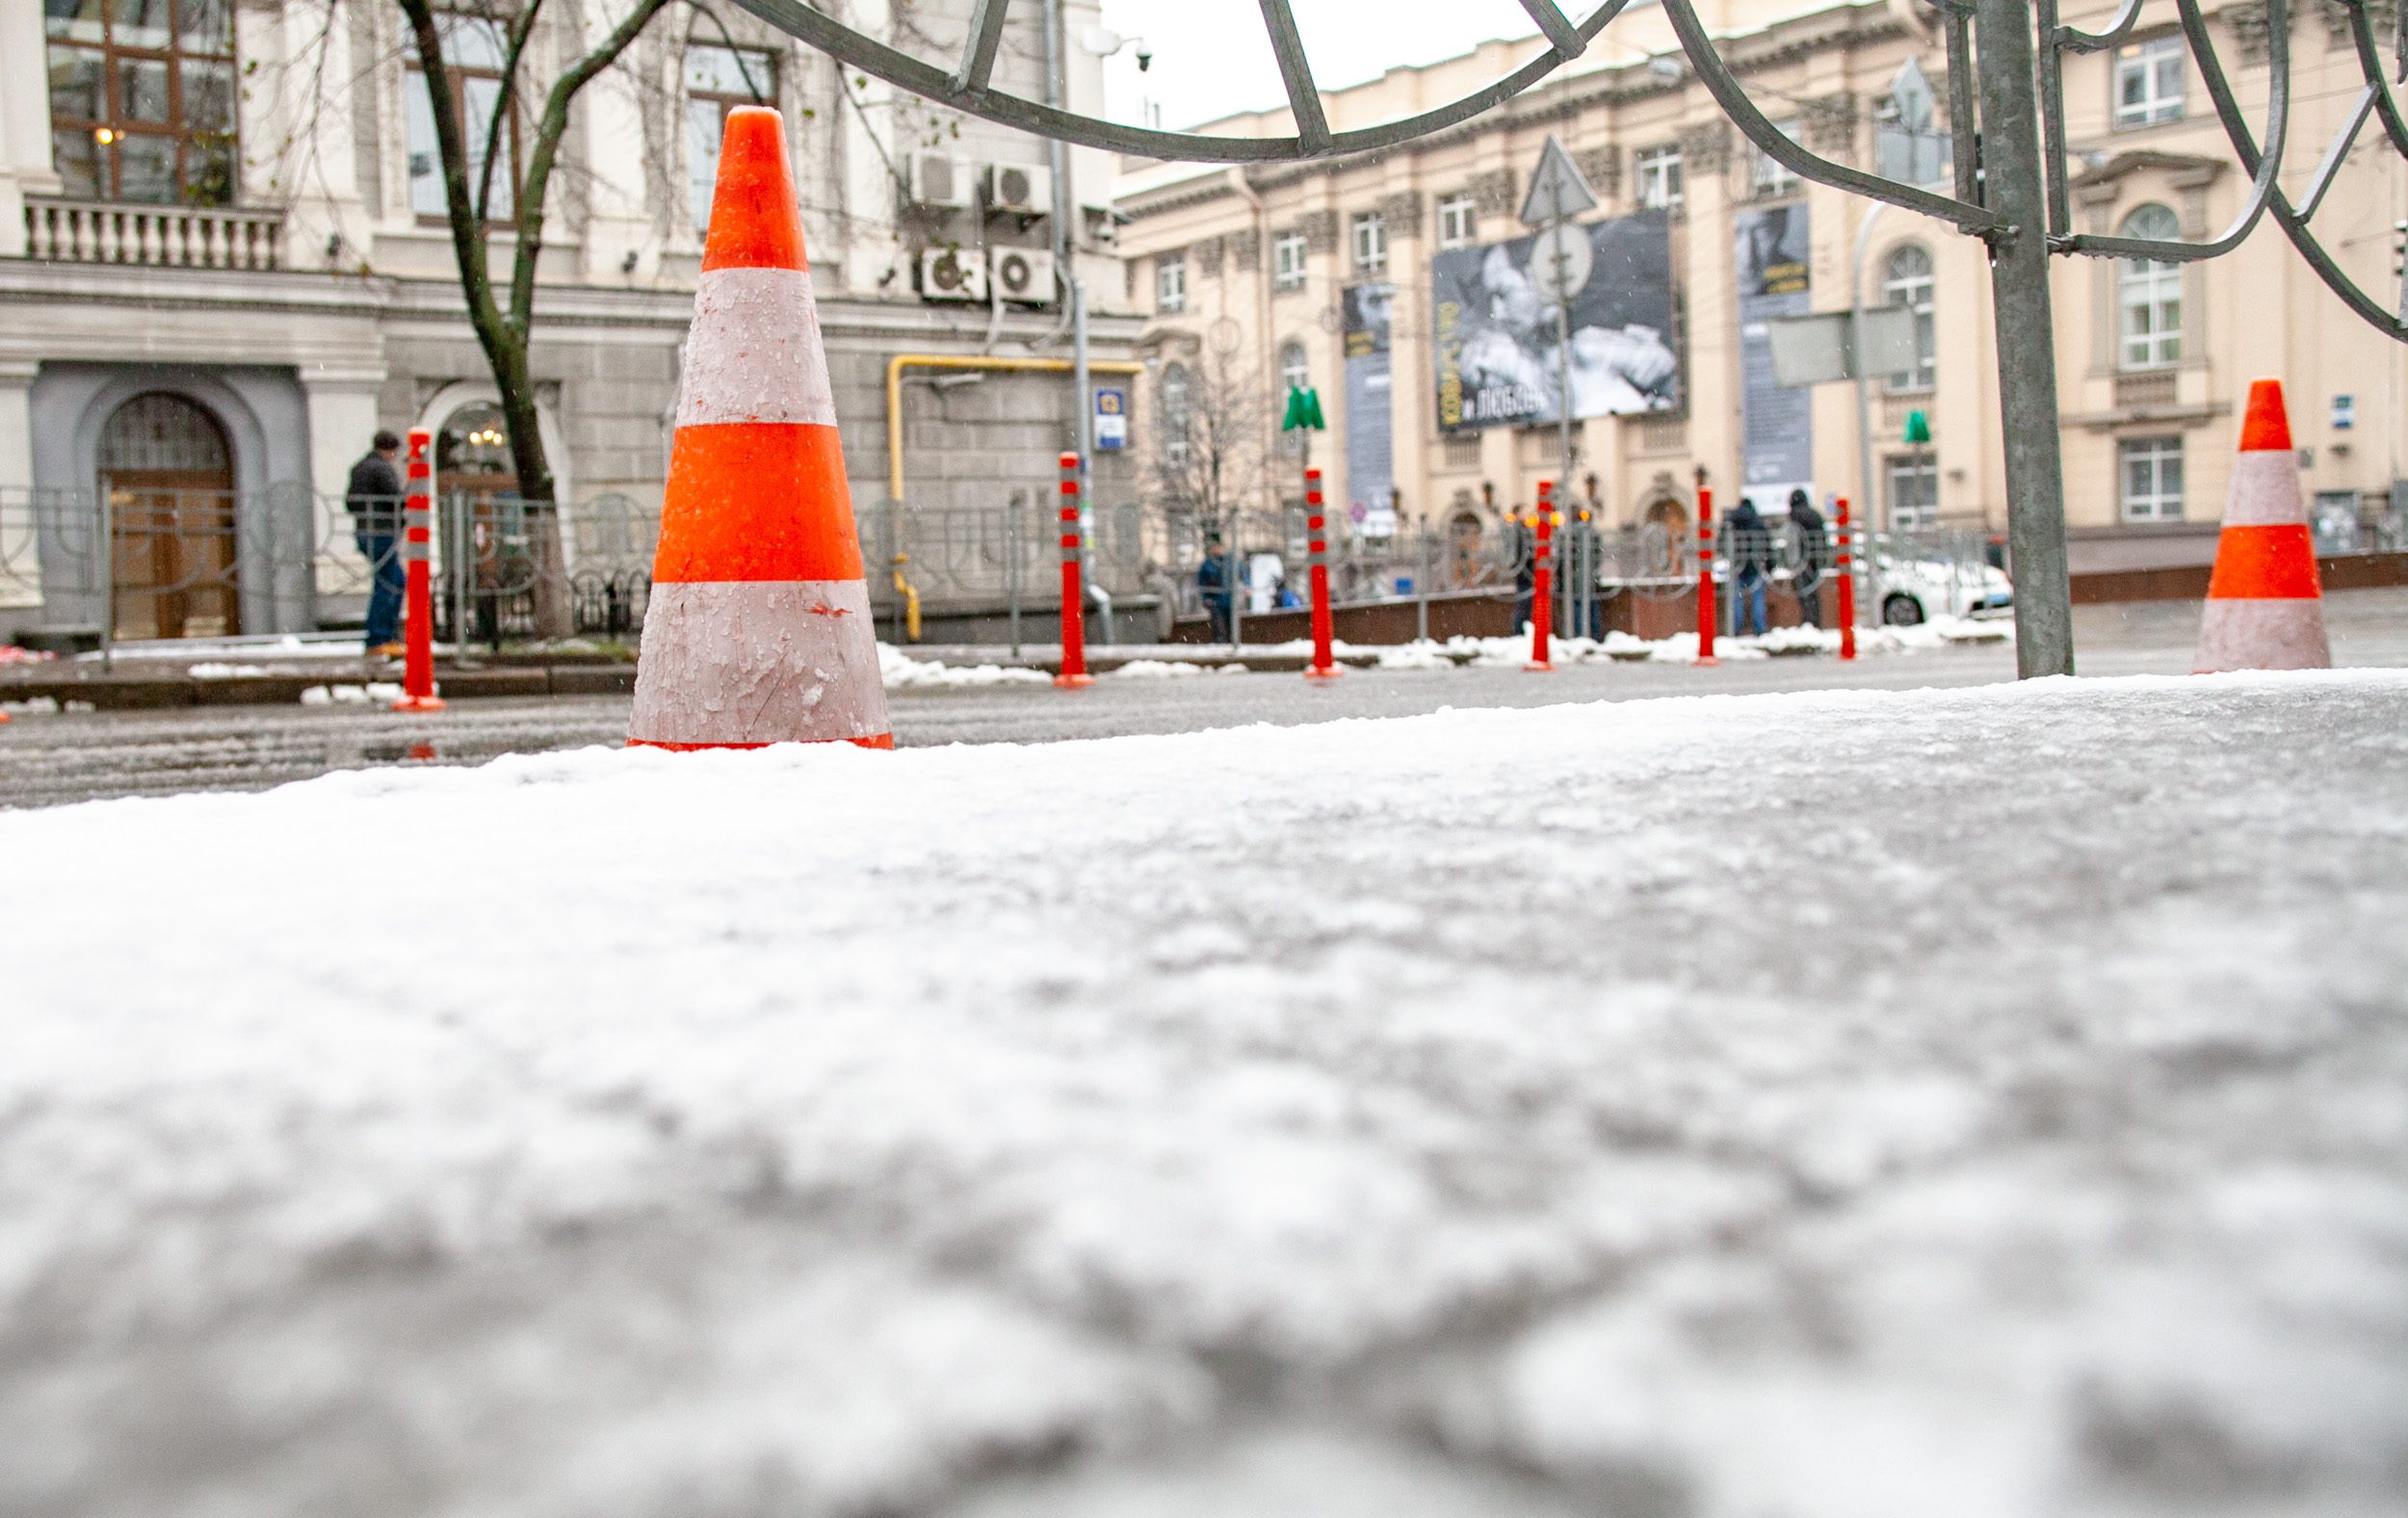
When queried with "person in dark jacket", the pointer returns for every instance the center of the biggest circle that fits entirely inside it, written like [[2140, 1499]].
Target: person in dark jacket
[[1213, 579], [1812, 557], [374, 498], [1749, 545], [1521, 541]]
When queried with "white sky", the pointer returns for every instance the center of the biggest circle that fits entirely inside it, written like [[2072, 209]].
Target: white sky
[[1211, 57]]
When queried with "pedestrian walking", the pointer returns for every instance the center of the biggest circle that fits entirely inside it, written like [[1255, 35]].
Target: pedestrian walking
[[1522, 543], [374, 498], [1813, 557], [1749, 546]]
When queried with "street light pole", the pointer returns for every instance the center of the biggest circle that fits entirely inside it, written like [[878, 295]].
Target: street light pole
[[2026, 337]]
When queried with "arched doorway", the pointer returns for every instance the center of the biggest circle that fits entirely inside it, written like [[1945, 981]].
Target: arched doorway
[[168, 479]]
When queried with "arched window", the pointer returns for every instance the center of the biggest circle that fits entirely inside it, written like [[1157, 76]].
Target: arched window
[[1177, 401], [2150, 295], [1907, 280]]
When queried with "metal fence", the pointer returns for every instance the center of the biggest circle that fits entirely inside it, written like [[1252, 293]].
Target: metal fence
[[168, 561]]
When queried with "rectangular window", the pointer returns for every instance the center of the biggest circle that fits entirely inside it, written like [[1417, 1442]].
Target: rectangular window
[[1371, 243], [1461, 449], [2152, 469], [717, 80], [1458, 221], [1914, 491], [1766, 175], [1659, 173], [141, 99], [2151, 294], [474, 50], [1287, 260], [1170, 283], [2148, 82]]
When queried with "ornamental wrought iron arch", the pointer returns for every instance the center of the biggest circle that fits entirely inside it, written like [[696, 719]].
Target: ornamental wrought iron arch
[[2010, 185]]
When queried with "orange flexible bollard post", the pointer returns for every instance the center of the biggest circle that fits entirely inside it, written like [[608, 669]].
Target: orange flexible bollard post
[[416, 548], [1073, 587], [1705, 613], [1543, 583], [1846, 568], [1324, 665]]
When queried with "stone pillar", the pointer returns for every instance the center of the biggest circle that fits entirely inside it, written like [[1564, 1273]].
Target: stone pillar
[[24, 124], [341, 422], [21, 560]]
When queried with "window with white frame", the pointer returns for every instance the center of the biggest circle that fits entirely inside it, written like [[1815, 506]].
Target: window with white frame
[[1371, 243], [475, 49], [1907, 280], [1178, 415], [2149, 295], [1768, 175], [2148, 82], [1170, 282], [2151, 470], [1295, 373], [1658, 175], [717, 80], [1458, 221], [1914, 490], [1287, 260]]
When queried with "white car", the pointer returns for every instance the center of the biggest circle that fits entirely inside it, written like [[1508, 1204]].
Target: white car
[[1911, 591]]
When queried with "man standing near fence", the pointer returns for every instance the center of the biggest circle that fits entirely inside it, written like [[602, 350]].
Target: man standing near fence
[[1749, 546], [1213, 579], [374, 498], [1807, 578]]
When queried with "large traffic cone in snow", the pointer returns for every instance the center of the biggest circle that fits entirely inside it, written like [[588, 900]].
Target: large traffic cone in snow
[[758, 631], [2266, 608]]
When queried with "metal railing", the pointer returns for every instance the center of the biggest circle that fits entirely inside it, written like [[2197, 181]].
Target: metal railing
[[142, 562], [158, 236]]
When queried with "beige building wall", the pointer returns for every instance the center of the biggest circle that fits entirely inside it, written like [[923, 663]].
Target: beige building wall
[[2259, 311]]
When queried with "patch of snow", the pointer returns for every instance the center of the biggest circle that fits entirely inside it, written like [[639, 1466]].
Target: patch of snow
[[899, 670], [1157, 669], [213, 670], [32, 705], [1675, 1106]]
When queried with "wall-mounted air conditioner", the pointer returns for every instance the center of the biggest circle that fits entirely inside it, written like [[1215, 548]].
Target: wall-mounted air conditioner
[[1018, 187], [953, 274], [1025, 275], [941, 180]]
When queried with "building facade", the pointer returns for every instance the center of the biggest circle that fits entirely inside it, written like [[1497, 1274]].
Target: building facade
[[1395, 285], [224, 264]]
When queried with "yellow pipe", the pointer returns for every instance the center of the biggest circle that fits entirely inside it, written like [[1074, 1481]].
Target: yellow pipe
[[895, 366]]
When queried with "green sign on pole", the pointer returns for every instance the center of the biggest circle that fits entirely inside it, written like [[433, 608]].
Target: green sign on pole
[[1304, 409], [1917, 428]]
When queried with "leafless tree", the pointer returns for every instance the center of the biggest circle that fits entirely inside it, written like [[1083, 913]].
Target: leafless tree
[[1210, 454]]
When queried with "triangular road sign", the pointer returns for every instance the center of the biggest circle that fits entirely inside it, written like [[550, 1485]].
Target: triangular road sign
[[1557, 189]]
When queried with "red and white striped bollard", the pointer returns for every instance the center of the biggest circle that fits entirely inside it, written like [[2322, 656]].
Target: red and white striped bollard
[[1324, 665], [417, 549], [1543, 583], [1706, 610], [1073, 590], [1846, 568]]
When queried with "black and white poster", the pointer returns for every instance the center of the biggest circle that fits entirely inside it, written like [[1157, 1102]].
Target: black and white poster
[[1370, 461], [1494, 331], [1776, 425]]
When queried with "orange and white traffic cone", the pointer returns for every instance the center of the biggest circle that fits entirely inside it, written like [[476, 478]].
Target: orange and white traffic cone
[[2265, 606], [758, 631]]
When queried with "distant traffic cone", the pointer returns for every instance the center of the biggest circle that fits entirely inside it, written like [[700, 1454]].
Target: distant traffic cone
[[2266, 608], [758, 631]]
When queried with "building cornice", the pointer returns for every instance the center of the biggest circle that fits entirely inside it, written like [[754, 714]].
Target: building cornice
[[1784, 43]]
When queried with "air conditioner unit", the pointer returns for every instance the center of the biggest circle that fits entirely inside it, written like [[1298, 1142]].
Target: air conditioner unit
[[940, 180], [952, 273], [1017, 187], [1025, 275]]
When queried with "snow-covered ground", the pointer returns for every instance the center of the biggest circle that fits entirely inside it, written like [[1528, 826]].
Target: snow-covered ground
[[1840, 1105]]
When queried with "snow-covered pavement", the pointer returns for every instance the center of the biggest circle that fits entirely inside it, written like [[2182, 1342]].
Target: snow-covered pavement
[[1849, 1104]]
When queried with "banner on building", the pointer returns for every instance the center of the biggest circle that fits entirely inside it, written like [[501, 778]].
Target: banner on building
[[1494, 334], [1776, 423], [1370, 459]]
